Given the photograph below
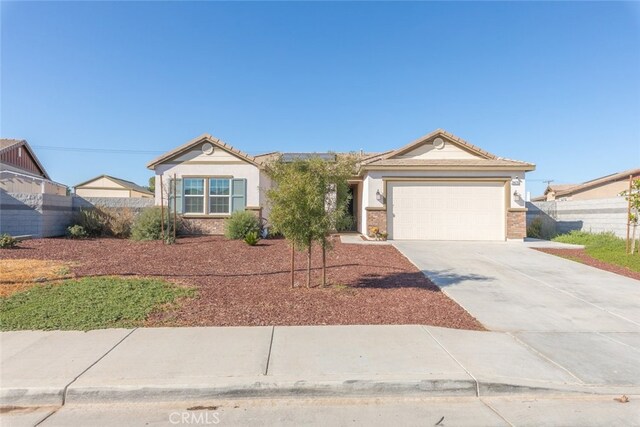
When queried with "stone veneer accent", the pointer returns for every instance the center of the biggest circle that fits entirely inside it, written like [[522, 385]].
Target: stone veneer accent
[[516, 223], [202, 225], [212, 226], [377, 217]]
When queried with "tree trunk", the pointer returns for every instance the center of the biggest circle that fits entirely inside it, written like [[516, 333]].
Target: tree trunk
[[293, 263], [309, 266], [324, 263], [633, 239]]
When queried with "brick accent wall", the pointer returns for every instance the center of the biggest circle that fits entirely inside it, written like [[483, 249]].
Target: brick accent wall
[[516, 224], [377, 218], [196, 226]]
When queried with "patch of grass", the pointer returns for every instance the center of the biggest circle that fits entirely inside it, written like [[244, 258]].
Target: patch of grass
[[88, 303], [603, 246]]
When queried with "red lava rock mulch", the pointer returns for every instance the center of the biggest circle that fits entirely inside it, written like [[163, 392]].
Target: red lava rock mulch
[[240, 285], [580, 255]]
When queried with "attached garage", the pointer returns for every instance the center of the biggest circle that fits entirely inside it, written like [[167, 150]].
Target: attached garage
[[446, 210]]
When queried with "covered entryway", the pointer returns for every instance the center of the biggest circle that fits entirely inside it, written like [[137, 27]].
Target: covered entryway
[[446, 210]]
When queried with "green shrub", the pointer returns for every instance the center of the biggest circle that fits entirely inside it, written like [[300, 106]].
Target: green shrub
[[93, 221], [252, 238], [148, 225], [240, 224], [76, 232], [534, 229], [7, 242]]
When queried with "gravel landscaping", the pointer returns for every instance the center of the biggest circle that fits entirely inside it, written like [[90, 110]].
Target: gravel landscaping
[[240, 285]]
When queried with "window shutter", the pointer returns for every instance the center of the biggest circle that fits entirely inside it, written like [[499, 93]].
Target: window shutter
[[178, 195], [238, 194]]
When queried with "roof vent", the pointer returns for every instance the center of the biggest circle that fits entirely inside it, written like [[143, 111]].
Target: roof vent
[[207, 148], [438, 143]]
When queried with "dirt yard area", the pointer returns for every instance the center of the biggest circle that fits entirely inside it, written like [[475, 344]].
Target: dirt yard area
[[240, 285]]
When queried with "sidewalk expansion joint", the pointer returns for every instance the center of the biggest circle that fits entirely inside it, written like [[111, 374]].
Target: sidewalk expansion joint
[[495, 411], [266, 368], [456, 360], [538, 353], [64, 392]]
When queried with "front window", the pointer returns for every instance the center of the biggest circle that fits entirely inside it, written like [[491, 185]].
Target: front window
[[219, 195], [194, 195]]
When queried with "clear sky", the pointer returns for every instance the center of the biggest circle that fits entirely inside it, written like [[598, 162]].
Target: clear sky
[[557, 84]]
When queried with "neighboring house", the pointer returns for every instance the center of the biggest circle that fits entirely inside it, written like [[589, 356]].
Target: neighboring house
[[22, 172], [605, 187], [438, 187], [109, 186]]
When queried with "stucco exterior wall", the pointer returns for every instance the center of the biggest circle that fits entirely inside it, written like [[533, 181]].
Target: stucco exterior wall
[[248, 171]]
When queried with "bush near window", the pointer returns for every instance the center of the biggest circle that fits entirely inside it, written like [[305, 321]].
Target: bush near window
[[148, 225], [76, 232], [240, 224], [7, 242]]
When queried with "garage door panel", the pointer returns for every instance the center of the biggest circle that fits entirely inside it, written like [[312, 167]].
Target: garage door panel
[[446, 210]]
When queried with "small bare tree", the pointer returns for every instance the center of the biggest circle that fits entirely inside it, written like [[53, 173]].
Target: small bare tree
[[633, 197]]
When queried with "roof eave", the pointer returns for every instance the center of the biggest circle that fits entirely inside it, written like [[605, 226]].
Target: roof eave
[[204, 137], [524, 168]]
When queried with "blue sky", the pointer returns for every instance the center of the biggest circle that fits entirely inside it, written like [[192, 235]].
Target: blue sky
[[557, 84]]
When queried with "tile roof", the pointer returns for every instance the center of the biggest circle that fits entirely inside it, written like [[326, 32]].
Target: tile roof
[[200, 139], [596, 182], [450, 162]]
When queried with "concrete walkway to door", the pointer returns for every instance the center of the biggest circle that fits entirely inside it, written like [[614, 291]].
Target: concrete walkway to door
[[584, 320]]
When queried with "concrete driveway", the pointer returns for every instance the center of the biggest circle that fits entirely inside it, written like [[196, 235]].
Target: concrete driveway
[[511, 287], [585, 320]]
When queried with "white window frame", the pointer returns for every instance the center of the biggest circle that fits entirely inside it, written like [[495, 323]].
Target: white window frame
[[227, 196], [185, 196]]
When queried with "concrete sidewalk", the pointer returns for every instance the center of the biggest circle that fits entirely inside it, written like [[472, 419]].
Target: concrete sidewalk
[[169, 364]]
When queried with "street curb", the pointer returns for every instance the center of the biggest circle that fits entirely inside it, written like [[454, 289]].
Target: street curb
[[260, 387]]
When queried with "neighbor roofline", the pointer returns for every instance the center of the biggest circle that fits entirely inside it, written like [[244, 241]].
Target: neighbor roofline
[[600, 181], [117, 181], [24, 143]]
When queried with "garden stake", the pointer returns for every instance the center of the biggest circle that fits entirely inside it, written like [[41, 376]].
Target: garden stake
[[175, 205], [162, 209], [629, 213], [293, 261]]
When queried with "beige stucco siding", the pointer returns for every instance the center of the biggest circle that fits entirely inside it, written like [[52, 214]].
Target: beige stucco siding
[[242, 170], [427, 151], [102, 182], [102, 192]]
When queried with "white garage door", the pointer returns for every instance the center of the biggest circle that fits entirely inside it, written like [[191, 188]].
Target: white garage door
[[435, 210]]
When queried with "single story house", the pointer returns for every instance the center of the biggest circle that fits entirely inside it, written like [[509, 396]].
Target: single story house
[[438, 187], [22, 172], [109, 186], [605, 187]]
